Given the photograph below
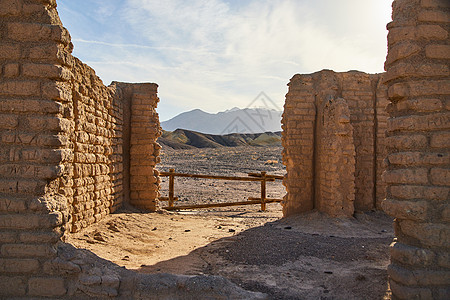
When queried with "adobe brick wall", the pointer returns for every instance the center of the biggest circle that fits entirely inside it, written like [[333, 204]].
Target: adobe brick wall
[[36, 153], [336, 160], [143, 149], [94, 139], [312, 177], [418, 171], [62, 160]]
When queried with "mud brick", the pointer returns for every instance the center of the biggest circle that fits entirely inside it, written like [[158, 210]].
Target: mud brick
[[402, 50], [20, 88], [29, 31], [412, 210], [422, 105], [12, 286], [11, 70], [46, 287], [9, 51], [9, 121], [27, 250], [12, 265], [418, 158], [438, 51], [411, 255], [433, 32], [419, 277], [405, 292], [433, 16], [434, 3], [406, 176], [10, 7], [440, 176], [432, 234], [41, 106], [11, 204], [440, 140], [45, 71], [434, 121], [57, 91], [25, 221], [39, 237], [30, 187], [419, 192]]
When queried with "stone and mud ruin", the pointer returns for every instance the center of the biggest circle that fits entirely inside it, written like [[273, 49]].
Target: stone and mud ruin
[[73, 150], [333, 138]]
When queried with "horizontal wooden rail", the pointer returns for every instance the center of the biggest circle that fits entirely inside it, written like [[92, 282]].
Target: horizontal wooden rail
[[167, 199], [236, 178], [224, 204], [267, 176]]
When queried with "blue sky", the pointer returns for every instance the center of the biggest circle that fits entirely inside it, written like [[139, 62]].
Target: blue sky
[[218, 54]]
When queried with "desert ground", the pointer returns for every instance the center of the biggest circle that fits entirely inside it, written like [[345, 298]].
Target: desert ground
[[309, 256]]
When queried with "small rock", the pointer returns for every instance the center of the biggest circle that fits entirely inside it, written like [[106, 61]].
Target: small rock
[[231, 230], [360, 277], [288, 227], [99, 237], [187, 230], [154, 228], [113, 227], [328, 272]]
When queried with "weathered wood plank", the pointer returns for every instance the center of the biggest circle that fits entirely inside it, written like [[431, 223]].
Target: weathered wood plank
[[236, 178], [223, 204], [267, 176]]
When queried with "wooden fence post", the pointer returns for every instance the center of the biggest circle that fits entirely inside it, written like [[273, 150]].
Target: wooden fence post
[[171, 187], [263, 190]]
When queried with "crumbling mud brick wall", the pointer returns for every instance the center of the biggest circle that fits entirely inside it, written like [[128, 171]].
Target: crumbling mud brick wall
[[143, 149], [418, 171], [312, 176], [336, 164], [95, 193], [65, 154]]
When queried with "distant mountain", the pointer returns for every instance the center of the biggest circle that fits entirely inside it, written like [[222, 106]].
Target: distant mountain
[[187, 139], [235, 120]]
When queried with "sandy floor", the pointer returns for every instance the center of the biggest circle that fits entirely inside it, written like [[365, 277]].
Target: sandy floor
[[305, 257]]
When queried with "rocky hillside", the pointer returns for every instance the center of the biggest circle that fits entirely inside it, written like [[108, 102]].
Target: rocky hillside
[[187, 139]]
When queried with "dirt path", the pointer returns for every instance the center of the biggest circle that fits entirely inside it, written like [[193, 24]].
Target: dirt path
[[305, 257]]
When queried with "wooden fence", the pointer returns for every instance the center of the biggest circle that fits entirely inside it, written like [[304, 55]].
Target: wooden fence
[[263, 177]]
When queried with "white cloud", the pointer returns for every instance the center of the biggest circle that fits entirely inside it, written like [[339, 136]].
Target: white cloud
[[214, 54]]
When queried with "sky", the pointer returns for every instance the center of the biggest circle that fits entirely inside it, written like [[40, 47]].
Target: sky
[[218, 54]]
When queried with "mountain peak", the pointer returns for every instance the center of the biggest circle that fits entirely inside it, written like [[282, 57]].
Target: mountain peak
[[234, 120], [232, 109]]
